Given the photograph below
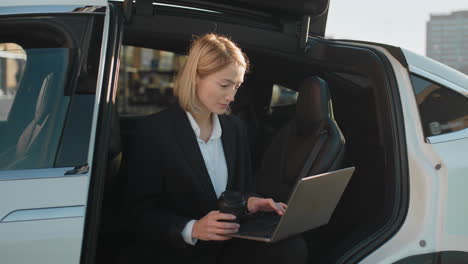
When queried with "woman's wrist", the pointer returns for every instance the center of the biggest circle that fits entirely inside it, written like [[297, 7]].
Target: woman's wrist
[[194, 230], [250, 204]]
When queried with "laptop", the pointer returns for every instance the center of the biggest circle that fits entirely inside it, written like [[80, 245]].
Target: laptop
[[310, 205]]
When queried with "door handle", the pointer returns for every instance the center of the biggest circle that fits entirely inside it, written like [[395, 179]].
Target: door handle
[[82, 169]]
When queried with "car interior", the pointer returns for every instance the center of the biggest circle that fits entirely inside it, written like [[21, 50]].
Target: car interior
[[335, 116]]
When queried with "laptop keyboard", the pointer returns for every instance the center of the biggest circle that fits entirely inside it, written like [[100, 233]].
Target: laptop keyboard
[[259, 225]]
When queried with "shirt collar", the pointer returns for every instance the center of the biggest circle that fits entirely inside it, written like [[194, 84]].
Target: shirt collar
[[215, 133]]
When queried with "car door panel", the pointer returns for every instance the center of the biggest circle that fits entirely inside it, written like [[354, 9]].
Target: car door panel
[[43, 207], [46, 241], [444, 121], [28, 224], [454, 164]]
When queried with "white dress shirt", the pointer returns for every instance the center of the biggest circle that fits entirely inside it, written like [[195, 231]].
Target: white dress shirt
[[215, 162]]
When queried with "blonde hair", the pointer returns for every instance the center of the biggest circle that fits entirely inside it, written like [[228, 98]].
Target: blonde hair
[[208, 54]]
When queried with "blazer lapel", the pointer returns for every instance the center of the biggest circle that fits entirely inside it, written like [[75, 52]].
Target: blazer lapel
[[229, 141], [187, 141]]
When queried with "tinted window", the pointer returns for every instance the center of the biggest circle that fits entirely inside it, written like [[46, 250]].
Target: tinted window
[[33, 87], [441, 109], [74, 145], [146, 80]]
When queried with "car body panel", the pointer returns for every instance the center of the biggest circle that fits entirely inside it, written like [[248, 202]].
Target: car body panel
[[50, 239], [438, 69], [452, 148], [42, 215], [433, 199], [54, 241]]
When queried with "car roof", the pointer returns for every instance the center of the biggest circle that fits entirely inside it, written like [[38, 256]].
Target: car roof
[[436, 68]]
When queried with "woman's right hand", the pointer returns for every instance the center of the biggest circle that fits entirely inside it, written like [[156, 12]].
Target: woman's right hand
[[210, 228]]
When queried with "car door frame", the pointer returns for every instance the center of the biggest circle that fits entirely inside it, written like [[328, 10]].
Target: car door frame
[[63, 176], [108, 79]]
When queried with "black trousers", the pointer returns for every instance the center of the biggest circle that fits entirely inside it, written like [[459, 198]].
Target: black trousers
[[240, 251], [234, 251]]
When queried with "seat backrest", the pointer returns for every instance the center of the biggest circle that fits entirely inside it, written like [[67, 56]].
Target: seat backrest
[[309, 144], [41, 116]]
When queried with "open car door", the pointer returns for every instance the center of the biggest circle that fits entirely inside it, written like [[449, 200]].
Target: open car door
[[315, 12], [57, 65]]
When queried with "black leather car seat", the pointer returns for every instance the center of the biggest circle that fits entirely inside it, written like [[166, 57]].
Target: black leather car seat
[[309, 144]]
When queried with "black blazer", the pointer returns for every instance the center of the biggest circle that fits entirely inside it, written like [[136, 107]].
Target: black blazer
[[171, 184]]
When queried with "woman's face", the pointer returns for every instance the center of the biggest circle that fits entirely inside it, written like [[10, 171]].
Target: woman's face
[[216, 91]]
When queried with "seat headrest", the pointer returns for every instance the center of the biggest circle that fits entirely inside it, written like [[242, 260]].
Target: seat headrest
[[44, 97], [313, 106]]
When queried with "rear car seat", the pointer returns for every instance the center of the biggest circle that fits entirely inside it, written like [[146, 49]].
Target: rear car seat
[[309, 144]]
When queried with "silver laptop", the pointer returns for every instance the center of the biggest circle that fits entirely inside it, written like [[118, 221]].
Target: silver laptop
[[310, 205]]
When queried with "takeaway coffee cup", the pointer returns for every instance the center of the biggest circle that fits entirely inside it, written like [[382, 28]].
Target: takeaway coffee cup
[[232, 202]]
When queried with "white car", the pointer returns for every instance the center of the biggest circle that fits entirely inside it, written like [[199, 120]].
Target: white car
[[404, 119]]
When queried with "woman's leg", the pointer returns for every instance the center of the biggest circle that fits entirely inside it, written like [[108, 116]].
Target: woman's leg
[[147, 253], [240, 251]]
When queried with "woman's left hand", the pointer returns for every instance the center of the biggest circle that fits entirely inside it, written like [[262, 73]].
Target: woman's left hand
[[256, 204]]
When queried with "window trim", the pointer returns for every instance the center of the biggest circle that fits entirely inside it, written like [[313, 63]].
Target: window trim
[[460, 134], [43, 173], [456, 135], [438, 80]]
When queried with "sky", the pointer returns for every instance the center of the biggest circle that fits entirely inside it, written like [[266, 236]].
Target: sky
[[397, 22]]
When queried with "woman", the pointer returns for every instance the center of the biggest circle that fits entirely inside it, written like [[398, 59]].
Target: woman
[[187, 156]]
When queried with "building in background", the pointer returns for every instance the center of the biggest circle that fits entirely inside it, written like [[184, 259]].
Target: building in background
[[447, 39], [146, 80]]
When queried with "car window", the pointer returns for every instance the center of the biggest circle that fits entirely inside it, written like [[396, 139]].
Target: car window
[[282, 108], [282, 96], [441, 109], [36, 105], [12, 60], [146, 80], [74, 145]]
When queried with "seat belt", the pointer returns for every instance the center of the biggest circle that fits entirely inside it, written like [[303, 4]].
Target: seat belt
[[313, 154]]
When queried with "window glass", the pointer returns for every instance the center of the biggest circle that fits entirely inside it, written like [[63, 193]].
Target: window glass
[[146, 80], [282, 107], [282, 96], [12, 60], [33, 85], [74, 143], [442, 110]]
